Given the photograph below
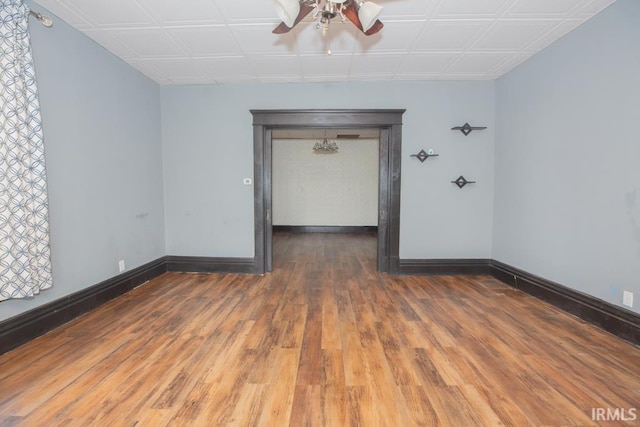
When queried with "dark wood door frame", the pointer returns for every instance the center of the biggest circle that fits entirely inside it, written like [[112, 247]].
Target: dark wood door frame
[[389, 122]]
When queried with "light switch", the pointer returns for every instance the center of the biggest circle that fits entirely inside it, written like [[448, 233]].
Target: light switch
[[247, 181], [627, 298]]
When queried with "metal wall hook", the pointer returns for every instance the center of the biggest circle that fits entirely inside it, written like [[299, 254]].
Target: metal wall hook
[[462, 181], [45, 20], [423, 155], [467, 128]]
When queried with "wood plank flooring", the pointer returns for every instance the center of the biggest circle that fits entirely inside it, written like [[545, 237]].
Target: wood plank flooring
[[323, 340]]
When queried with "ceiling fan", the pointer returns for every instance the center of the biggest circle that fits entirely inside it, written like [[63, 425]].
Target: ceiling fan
[[363, 14]]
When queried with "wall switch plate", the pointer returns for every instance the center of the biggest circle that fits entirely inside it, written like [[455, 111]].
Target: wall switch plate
[[121, 266], [247, 181], [627, 298]]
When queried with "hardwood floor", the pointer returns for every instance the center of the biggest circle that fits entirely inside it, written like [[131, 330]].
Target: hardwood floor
[[323, 340]]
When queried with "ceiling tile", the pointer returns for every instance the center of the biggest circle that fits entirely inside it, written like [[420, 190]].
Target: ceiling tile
[[371, 77], [513, 34], [326, 78], [478, 63], [396, 36], [275, 65], [258, 39], [325, 65], [148, 42], [413, 9], [203, 40], [171, 12], [114, 13], [148, 70], [511, 63], [223, 41], [552, 36], [427, 63], [185, 81], [593, 7], [236, 80], [468, 76], [542, 8], [417, 76], [281, 79], [471, 8], [376, 63], [71, 16], [226, 68], [107, 40], [449, 35], [239, 11], [176, 69]]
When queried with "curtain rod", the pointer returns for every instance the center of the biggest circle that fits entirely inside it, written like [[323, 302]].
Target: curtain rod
[[46, 21]]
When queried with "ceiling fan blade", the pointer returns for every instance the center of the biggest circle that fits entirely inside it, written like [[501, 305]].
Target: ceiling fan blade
[[305, 9], [351, 12], [377, 26]]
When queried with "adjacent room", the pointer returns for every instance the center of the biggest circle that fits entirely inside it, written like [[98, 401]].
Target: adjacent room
[[316, 190], [299, 212]]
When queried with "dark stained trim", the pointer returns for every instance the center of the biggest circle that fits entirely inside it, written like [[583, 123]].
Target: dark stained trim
[[259, 209], [612, 318], [268, 205], [29, 325], [192, 264], [393, 214], [445, 266], [325, 229], [24, 327], [347, 118], [389, 122], [382, 256]]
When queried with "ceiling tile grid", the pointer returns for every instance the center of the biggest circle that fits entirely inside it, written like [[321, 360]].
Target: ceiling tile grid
[[231, 41]]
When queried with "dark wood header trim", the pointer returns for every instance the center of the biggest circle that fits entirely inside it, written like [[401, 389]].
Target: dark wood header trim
[[324, 118]]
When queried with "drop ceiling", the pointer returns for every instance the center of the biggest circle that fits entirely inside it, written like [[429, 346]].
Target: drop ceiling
[[230, 41]]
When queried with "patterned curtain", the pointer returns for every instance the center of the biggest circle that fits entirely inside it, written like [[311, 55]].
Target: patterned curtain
[[25, 262]]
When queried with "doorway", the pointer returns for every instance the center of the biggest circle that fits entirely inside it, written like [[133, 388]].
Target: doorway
[[389, 125]]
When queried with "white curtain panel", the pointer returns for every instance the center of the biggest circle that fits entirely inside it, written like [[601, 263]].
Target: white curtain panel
[[25, 261]]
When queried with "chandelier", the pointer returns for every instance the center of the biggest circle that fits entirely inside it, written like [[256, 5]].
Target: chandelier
[[325, 147], [363, 14]]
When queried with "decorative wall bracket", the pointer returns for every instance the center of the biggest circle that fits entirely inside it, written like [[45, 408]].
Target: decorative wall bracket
[[462, 181], [423, 155], [467, 128]]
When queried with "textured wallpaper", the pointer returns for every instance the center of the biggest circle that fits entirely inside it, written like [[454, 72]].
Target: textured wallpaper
[[330, 189]]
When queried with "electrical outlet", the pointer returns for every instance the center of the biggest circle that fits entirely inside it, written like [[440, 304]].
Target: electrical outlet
[[627, 298], [121, 266]]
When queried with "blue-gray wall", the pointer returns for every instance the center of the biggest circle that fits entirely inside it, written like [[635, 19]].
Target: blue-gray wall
[[101, 122], [567, 165], [208, 149], [131, 165]]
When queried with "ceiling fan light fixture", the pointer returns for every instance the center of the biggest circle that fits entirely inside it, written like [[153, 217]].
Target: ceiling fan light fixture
[[368, 13], [363, 14], [287, 10]]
